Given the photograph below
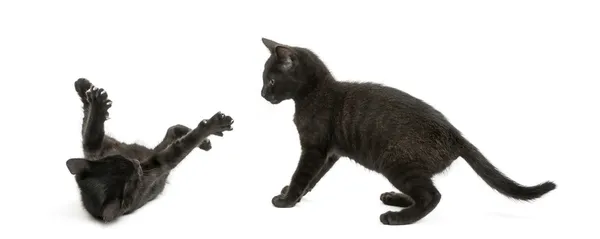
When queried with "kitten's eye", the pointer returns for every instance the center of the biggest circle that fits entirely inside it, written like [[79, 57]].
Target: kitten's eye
[[272, 82]]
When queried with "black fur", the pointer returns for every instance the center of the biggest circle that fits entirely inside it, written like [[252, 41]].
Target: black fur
[[381, 128], [116, 178]]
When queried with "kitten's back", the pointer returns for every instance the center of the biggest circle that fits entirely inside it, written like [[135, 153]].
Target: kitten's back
[[373, 120]]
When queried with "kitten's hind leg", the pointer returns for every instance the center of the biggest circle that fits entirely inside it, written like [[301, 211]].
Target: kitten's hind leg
[[422, 191], [396, 199], [177, 131]]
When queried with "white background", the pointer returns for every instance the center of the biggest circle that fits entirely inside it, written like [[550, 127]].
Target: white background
[[518, 78]]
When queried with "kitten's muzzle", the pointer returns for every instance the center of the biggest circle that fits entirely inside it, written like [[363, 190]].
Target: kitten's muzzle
[[266, 93]]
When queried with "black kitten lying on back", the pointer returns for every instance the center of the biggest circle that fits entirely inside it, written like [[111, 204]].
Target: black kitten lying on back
[[116, 178], [382, 128]]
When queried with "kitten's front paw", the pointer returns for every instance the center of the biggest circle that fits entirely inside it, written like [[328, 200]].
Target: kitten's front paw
[[218, 123], [98, 99], [282, 201], [285, 189], [205, 145]]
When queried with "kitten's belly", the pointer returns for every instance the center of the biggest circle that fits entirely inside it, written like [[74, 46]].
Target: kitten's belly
[[340, 152], [365, 158]]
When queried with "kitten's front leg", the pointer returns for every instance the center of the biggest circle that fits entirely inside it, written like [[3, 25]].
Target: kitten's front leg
[[172, 155], [331, 160], [311, 161], [93, 128], [177, 131], [82, 85]]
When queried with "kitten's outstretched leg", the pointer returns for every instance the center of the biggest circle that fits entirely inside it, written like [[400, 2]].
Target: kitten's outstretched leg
[[176, 132], [95, 112], [95, 109], [167, 159], [331, 160], [421, 189], [93, 132], [81, 86]]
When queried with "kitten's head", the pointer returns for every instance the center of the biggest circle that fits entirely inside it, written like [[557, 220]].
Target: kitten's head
[[284, 75], [107, 185]]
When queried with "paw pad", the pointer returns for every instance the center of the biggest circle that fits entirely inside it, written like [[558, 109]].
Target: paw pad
[[98, 98]]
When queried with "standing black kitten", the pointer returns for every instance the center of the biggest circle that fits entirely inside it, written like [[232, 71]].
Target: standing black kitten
[[382, 128], [116, 178]]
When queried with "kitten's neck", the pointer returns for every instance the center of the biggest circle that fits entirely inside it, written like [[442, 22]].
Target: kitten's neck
[[311, 91], [318, 78]]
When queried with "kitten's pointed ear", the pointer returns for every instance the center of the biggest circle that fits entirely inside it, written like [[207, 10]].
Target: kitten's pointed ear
[[286, 56], [270, 44], [77, 165], [284, 53]]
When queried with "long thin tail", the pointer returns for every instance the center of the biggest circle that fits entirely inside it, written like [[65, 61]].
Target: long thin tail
[[498, 181]]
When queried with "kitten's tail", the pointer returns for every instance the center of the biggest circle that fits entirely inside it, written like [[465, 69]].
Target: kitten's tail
[[498, 181]]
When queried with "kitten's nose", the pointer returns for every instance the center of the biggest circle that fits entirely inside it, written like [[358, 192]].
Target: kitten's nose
[[263, 92]]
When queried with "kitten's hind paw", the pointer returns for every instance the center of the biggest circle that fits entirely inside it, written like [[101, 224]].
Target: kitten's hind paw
[[398, 218], [98, 99], [396, 199]]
